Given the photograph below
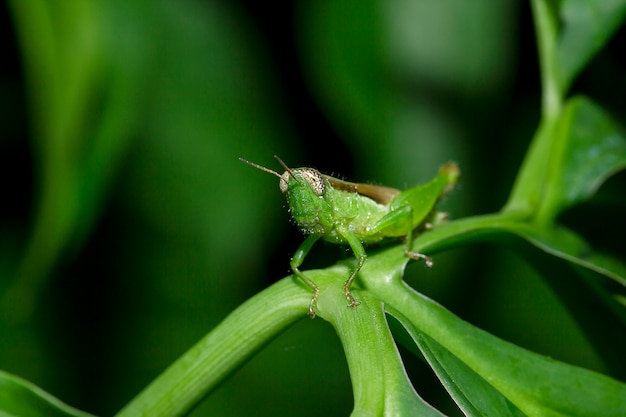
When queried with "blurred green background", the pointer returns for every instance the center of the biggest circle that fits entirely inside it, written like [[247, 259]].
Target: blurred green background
[[129, 229]]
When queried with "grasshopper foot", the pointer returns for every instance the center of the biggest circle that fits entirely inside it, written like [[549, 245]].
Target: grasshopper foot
[[351, 301], [420, 256], [316, 294]]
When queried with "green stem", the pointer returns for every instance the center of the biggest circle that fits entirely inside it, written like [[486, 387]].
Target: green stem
[[528, 190], [469, 229], [546, 22], [203, 367], [379, 381]]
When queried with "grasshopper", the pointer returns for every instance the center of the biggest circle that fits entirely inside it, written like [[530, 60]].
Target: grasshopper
[[357, 214]]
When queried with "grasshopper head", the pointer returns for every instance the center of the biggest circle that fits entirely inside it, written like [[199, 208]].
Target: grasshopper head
[[312, 177], [304, 189], [309, 176]]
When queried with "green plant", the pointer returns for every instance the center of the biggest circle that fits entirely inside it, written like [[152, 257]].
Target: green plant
[[576, 148]]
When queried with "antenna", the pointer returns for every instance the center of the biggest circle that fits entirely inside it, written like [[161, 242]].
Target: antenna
[[284, 165], [262, 168], [280, 161]]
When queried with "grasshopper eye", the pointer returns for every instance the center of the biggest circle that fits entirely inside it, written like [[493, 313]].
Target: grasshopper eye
[[284, 182], [315, 180], [312, 177]]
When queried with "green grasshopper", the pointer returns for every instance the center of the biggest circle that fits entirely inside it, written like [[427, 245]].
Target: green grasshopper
[[344, 212]]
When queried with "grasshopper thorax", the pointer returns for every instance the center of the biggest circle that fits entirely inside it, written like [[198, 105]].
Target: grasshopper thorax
[[311, 176]]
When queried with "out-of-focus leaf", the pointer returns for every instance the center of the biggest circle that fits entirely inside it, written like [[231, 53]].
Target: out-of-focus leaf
[[588, 147], [424, 45], [344, 60], [188, 87], [382, 71], [20, 398], [586, 26], [84, 78], [193, 224]]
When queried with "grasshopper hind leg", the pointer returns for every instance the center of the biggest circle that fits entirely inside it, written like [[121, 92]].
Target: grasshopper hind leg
[[408, 241], [419, 257]]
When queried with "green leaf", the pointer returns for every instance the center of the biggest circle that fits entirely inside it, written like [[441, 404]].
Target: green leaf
[[569, 33], [470, 391], [586, 26], [587, 285], [536, 385], [588, 147], [20, 398], [84, 92], [590, 285], [568, 160], [484, 374]]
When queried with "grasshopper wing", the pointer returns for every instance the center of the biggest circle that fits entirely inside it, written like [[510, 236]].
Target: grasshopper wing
[[380, 194]]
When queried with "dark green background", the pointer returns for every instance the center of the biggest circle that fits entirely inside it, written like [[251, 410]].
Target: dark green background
[[177, 232]]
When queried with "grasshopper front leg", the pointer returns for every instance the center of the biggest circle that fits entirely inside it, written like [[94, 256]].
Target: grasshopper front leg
[[297, 260], [359, 253]]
